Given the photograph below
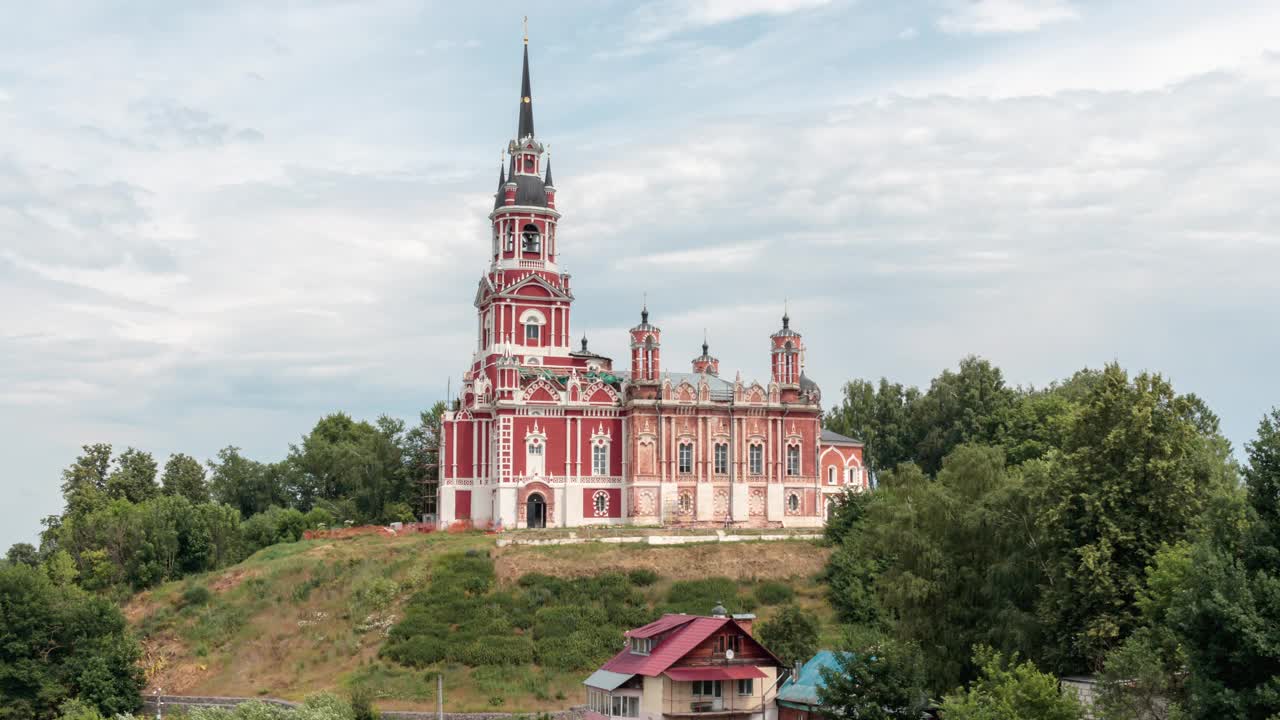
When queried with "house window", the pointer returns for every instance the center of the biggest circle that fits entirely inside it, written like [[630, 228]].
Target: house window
[[722, 459], [728, 642], [793, 460], [641, 646], [625, 706], [746, 686], [706, 688], [531, 334], [755, 456], [686, 458], [831, 475], [793, 502], [853, 476], [600, 503], [600, 460], [511, 238]]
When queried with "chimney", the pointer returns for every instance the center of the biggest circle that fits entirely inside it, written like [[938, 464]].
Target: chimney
[[745, 621]]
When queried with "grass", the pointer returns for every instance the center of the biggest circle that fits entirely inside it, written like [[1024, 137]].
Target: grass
[[300, 618]]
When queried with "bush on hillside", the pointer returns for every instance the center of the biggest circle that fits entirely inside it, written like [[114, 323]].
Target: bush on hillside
[[642, 577], [698, 597], [774, 593], [196, 595]]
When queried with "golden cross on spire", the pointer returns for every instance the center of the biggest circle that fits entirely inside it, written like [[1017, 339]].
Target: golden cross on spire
[[526, 29]]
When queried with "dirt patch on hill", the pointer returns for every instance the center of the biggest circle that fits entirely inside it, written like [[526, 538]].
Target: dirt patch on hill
[[739, 561]]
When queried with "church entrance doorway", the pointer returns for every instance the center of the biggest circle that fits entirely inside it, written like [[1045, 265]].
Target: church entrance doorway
[[535, 511]]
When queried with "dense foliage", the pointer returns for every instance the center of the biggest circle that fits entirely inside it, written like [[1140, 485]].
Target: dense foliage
[[791, 635], [879, 681], [56, 642], [1010, 691], [1092, 526]]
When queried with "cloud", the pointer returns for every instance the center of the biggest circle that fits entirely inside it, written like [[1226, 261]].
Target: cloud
[[661, 19], [980, 17]]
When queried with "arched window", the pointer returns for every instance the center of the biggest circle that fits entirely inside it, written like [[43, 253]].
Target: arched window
[[831, 475], [531, 239], [532, 320], [511, 238], [600, 503], [722, 458], [685, 503], [793, 502]]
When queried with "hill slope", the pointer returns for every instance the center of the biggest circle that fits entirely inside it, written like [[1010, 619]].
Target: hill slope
[[298, 618]]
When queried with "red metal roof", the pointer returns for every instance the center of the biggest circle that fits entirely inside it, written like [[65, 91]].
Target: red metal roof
[[661, 625], [730, 672], [692, 630]]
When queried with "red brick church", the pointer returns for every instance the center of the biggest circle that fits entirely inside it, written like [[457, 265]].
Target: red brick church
[[546, 434]]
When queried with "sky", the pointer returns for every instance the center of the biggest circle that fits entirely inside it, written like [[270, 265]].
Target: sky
[[220, 221]]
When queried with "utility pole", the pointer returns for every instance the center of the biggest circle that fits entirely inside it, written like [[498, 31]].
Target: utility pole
[[440, 696]]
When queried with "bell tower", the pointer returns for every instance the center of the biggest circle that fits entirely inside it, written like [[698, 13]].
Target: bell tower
[[646, 351], [524, 299], [786, 354]]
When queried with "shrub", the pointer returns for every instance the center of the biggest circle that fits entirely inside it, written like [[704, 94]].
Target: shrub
[[642, 577], [375, 593], [774, 593], [196, 595]]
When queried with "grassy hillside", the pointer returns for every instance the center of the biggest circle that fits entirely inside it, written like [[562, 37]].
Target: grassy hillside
[[297, 618]]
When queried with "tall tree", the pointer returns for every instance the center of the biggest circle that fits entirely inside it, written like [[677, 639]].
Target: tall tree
[[346, 459], [244, 484], [969, 405], [1137, 472], [1227, 613], [185, 476], [879, 416], [134, 476], [84, 482]]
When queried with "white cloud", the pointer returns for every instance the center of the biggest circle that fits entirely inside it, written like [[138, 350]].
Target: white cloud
[[663, 18], [980, 17]]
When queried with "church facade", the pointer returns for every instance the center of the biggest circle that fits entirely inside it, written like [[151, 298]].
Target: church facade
[[546, 433]]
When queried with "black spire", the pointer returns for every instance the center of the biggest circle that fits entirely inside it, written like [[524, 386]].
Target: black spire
[[526, 98], [548, 182], [584, 343], [644, 315]]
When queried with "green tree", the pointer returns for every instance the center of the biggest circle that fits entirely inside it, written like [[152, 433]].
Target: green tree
[[969, 405], [23, 554], [61, 568], [134, 477], [183, 475], [879, 416], [244, 484], [1010, 691], [882, 681], [792, 634], [84, 482], [1226, 613], [955, 560], [58, 643], [1137, 472], [343, 458]]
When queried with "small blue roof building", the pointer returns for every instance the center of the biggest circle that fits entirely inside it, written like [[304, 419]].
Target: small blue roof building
[[798, 696]]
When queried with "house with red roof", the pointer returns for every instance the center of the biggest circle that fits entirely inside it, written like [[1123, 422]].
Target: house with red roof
[[687, 666]]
